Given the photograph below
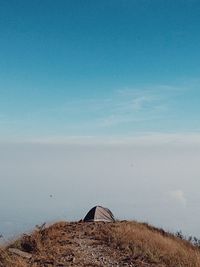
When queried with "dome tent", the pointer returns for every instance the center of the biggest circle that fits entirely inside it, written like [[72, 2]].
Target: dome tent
[[99, 214]]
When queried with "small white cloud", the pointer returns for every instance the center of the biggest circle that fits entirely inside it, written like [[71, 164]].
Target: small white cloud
[[178, 196]]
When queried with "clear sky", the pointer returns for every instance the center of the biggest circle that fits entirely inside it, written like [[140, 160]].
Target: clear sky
[[98, 68]]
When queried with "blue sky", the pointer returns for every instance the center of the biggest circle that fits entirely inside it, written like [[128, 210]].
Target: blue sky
[[122, 75], [98, 68]]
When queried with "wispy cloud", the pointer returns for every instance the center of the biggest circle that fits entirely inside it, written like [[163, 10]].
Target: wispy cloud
[[139, 139], [135, 105], [119, 107], [178, 196], [128, 110], [5, 120]]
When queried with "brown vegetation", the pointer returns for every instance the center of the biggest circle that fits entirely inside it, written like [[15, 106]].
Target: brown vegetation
[[100, 244]]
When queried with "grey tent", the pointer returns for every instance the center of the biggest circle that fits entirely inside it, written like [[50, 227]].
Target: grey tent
[[99, 214]]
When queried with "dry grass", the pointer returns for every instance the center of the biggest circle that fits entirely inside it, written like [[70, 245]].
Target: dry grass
[[152, 245], [129, 242], [7, 260]]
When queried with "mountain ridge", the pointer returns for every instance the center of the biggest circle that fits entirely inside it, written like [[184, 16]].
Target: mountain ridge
[[123, 243]]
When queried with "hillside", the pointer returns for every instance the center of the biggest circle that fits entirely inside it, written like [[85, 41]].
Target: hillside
[[99, 244]]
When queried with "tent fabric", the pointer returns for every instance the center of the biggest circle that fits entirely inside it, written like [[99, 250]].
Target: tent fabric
[[99, 214]]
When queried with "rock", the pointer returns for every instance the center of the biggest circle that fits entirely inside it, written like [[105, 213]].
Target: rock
[[20, 253]]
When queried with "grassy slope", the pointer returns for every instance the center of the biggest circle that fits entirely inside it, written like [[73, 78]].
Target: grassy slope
[[102, 244]]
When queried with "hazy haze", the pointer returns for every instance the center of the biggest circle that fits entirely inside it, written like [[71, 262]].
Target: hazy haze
[[141, 179]]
